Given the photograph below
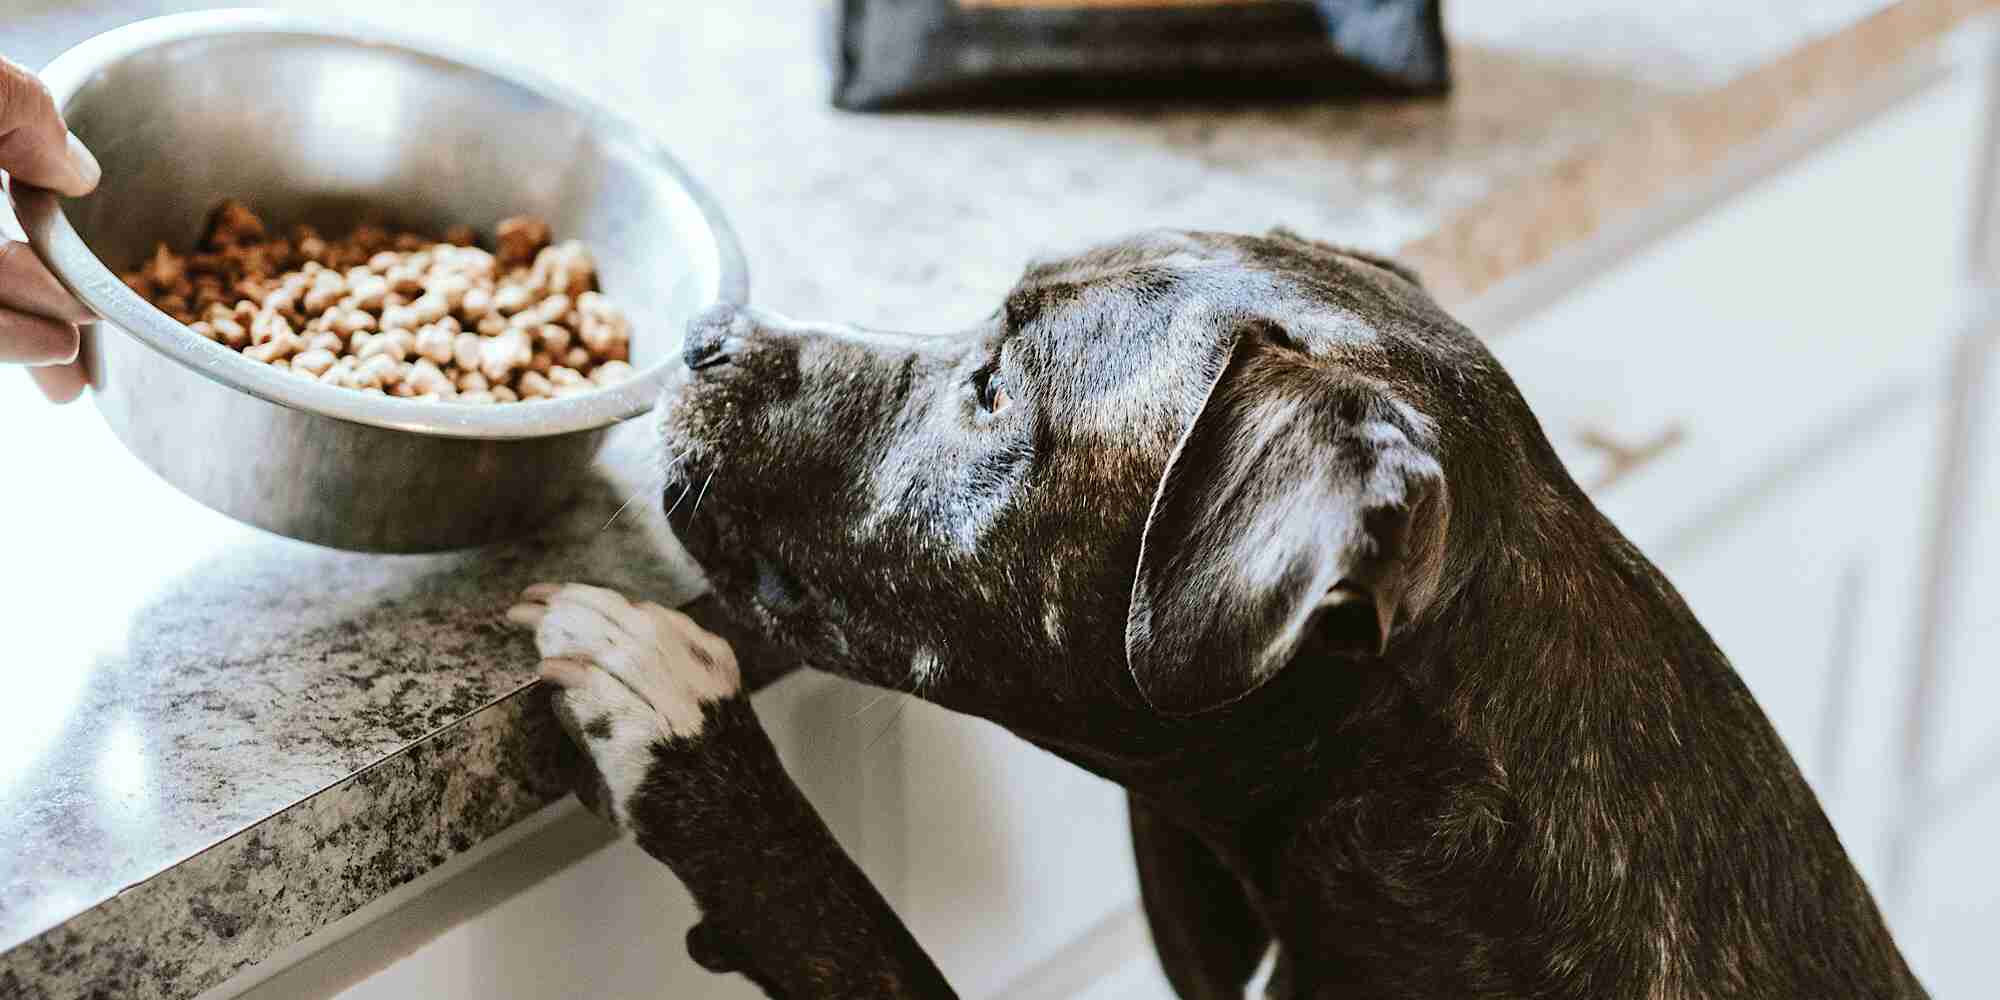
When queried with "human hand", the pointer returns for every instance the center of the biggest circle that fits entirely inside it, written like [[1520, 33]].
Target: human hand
[[38, 319]]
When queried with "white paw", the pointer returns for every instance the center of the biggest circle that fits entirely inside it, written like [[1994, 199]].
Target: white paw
[[631, 674]]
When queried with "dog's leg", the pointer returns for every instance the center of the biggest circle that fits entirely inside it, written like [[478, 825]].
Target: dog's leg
[[1208, 937], [683, 764]]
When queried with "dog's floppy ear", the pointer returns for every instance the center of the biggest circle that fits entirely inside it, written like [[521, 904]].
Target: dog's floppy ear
[[1300, 506]]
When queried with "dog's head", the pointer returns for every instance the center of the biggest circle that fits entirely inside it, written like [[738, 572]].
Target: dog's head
[[1162, 470]]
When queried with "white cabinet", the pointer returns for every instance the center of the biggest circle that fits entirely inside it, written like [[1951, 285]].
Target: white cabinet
[[1816, 596], [1950, 914], [1772, 379]]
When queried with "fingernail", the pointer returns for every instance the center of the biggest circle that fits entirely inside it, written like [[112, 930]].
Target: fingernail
[[85, 165]]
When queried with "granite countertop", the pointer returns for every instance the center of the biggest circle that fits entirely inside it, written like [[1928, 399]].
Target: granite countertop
[[217, 741]]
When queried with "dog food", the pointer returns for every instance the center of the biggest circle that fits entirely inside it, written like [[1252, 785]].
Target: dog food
[[400, 313]]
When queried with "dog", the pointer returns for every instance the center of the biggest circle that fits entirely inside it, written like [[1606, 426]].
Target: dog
[[1250, 526]]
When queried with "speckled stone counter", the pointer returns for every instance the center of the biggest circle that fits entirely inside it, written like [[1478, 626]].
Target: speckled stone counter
[[214, 741]]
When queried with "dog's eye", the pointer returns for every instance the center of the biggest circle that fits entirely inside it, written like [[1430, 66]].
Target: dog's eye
[[991, 387]]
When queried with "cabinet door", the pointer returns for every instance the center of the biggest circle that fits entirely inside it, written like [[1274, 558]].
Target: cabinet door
[[1949, 916], [1010, 854], [1816, 594]]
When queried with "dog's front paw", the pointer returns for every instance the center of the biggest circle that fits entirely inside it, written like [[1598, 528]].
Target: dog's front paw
[[632, 675]]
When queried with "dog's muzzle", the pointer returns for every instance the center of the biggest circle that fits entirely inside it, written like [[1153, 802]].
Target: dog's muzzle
[[716, 336]]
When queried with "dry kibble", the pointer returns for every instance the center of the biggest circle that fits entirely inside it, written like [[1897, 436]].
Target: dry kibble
[[283, 345], [369, 292], [352, 321], [314, 360], [387, 345], [553, 308], [512, 298], [553, 338], [465, 351], [601, 327], [564, 269], [434, 342], [327, 288], [230, 333], [534, 385], [450, 289], [382, 370], [404, 279], [428, 308], [399, 318], [425, 378], [520, 238], [476, 303], [500, 357], [400, 313], [268, 326], [165, 269]]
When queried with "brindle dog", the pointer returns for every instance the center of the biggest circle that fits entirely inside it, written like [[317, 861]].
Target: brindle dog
[[1253, 528]]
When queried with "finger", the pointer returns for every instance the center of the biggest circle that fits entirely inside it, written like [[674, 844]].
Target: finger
[[28, 286], [60, 383], [34, 144], [541, 592], [27, 339]]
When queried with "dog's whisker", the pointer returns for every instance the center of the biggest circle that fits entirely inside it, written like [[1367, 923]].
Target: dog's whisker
[[863, 710], [696, 509], [686, 488], [891, 724], [643, 489]]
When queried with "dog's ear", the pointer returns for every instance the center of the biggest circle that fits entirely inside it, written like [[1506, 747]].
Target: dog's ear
[[1301, 507]]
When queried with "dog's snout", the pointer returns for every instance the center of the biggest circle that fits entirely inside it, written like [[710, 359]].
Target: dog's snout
[[704, 350], [715, 335]]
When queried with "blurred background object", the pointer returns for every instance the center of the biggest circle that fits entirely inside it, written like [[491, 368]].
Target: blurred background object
[[909, 53]]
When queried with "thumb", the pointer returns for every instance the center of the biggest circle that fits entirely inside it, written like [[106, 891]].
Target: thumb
[[34, 145]]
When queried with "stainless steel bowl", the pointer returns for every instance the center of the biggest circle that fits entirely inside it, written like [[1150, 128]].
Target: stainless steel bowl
[[316, 121]]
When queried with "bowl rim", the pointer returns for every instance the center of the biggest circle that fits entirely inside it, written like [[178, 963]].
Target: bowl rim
[[77, 267]]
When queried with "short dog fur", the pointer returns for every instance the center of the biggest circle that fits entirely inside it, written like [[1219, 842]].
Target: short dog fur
[[1253, 528]]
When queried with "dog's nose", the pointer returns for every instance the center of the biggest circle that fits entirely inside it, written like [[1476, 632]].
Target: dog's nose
[[714, 335]]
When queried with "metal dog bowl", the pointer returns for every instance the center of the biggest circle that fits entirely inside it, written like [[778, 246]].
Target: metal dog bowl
[[315, 121]]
